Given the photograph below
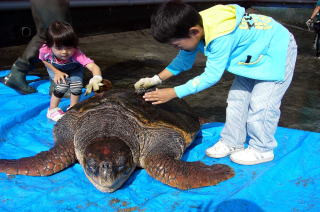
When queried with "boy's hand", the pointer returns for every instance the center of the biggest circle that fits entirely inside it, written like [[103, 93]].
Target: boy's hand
[[147, 82], [94, 84], [160, 96], [60, 76]]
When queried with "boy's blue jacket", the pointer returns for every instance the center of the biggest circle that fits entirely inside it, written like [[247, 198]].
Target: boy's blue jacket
[[257, 52]]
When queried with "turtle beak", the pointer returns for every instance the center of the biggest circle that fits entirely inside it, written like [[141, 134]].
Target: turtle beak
[[105, 176], [103, 182], [106, 184], [111, 180]]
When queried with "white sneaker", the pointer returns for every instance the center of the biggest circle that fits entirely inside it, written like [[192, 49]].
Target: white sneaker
[[251, 156], [55, 114], [220, 150]]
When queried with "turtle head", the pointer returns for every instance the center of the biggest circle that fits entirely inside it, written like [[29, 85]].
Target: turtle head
[[108, 163]]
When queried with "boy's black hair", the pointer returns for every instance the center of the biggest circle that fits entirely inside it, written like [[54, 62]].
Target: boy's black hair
[[173, 20], [61, 34]]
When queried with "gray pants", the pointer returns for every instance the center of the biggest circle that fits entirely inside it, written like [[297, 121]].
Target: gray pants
[[44, 12], [254, 108]]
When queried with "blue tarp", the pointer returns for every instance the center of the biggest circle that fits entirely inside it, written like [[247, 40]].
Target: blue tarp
[[289, 183]]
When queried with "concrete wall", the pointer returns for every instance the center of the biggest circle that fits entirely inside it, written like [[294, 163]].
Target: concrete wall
[[292, 16], [19, 28]]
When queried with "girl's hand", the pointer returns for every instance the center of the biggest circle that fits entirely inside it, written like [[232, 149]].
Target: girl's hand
[[160, 96], [94, 84], [60, 76]]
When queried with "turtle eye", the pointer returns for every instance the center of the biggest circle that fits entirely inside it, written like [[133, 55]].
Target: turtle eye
[[92, 167]]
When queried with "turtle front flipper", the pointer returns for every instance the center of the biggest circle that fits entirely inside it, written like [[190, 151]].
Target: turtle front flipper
[[185, 175], [43, 164]]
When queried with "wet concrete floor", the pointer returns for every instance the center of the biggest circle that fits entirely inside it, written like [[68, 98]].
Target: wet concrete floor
[[127, 56]]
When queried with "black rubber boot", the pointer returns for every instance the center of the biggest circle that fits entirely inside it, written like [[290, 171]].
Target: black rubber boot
[[17, 80]]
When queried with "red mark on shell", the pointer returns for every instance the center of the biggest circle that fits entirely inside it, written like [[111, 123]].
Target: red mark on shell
[[106, 150]]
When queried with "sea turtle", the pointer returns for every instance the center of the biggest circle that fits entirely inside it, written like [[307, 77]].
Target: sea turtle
[[112, 133]]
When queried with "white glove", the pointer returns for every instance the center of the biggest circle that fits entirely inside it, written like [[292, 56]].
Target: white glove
[[147, 82], [94, 84], [309, 23]]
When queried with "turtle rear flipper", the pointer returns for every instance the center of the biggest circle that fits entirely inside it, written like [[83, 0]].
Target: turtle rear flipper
[[43, 164], [185, 175]]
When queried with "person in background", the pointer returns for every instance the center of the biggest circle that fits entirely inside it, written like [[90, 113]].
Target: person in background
[[314, 21], [44, 12], [259, 51], [65, 62]]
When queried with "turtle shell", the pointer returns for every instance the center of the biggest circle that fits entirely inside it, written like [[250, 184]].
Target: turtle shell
[[175, 114]]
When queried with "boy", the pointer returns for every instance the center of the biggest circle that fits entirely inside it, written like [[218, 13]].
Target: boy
[[258, 50]]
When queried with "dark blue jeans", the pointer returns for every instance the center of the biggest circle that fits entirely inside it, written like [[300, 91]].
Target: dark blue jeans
[[316, 27], [44, 12]]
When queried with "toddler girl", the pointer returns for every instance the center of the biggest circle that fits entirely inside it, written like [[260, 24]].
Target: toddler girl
[[64, 62]]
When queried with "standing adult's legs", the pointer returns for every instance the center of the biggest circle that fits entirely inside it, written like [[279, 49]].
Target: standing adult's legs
[[317, 41], [44, 13]]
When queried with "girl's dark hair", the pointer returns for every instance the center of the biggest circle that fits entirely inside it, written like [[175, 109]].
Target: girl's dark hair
[[173, 20], [61, 34]]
